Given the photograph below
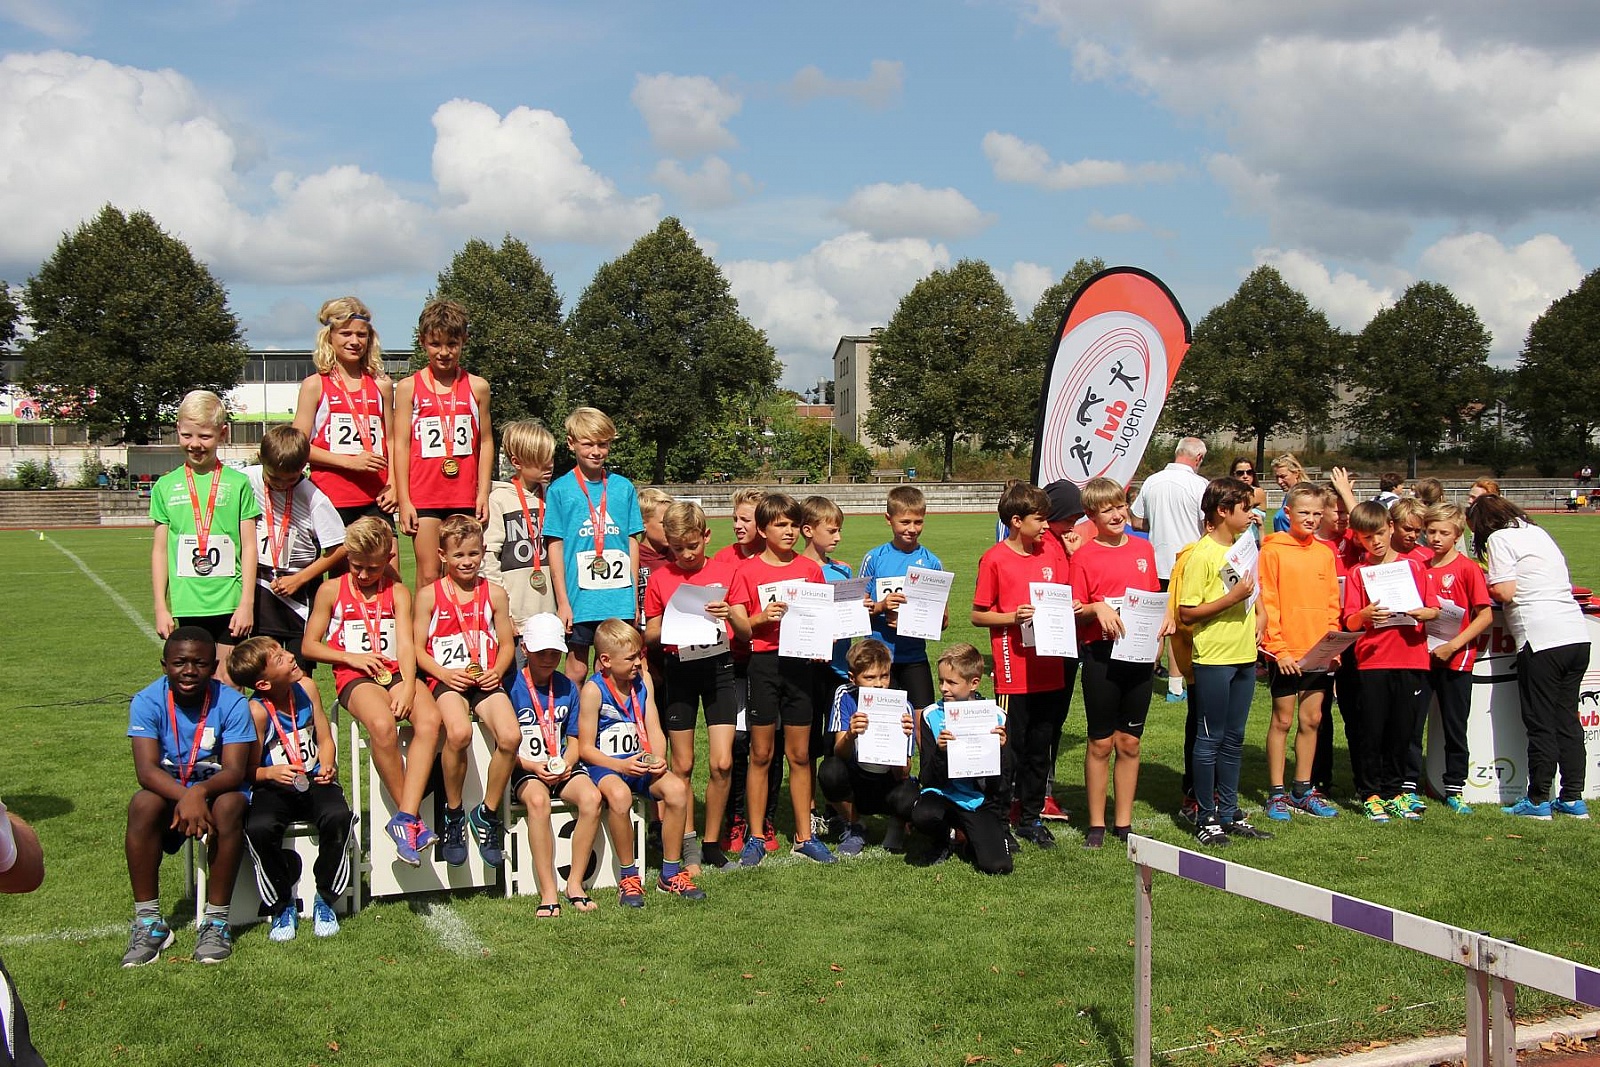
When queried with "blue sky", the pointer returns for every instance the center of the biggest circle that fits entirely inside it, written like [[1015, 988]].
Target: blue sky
[[827, 155]]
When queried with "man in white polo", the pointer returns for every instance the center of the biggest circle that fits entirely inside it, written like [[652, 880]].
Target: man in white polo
[[1168, 507]]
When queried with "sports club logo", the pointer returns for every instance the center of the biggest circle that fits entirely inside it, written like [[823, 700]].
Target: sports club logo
[[1447, 582], [1142, 564], [1116, 354]]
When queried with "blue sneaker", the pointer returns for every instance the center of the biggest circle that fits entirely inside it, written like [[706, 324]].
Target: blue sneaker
[[1314, 805], [284, 924], [145, 942], [754, 851], [401, 832], [455, 837], [324, 922], [1457, 805], [1278, 807], [1528, 809], [852, 839], [425, 838], [1176, 698], [489, 833], [812, 849], [1575, 809]]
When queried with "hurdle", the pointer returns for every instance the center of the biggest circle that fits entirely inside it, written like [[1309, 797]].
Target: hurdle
[[1494, 968]]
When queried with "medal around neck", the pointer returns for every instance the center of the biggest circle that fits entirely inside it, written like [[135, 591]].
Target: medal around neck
[[537, 580], [450, 468]]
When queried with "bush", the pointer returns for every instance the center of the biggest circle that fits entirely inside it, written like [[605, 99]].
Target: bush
[[89, 474], [31, 474]]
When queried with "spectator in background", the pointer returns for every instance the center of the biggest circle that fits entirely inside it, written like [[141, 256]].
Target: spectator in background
[[1389, 486], [1483, 487], [1245, 470], [1288, 473], [1428, 491], [1168, 505], [21, 871]]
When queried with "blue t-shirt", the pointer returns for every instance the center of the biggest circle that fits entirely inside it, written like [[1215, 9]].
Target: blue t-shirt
[[304, 723], [560, 696], [887, 561], [834, 571], [228, 722], [962, 792], [844, 709], [568, 519], [1280, 521]]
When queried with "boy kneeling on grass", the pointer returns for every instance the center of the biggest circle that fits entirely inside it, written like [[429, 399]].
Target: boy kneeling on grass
[[973, 809], [192, 739]]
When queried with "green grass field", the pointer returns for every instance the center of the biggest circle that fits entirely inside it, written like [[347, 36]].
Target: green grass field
[[869, 961]]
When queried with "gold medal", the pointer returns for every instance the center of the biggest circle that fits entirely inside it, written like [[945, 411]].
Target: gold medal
[[555, 766], [450, 467], [474, 669], [537, 580], [383, 676]]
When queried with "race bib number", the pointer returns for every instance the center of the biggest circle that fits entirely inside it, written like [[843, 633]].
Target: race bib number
[[769, 594], [884, 586], [308, 749], [344, 434], [607, 571], [220, 559], [450, 652], [430, 435], [619, 740], [533, 748], [353, 636], [690, 653]]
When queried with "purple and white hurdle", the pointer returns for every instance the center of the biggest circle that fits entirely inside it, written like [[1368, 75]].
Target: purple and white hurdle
[[1494, 967]]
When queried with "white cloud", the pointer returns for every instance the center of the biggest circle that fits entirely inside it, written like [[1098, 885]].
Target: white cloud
[[844, 285], [1026, 283], [1121, 222], [41, 17], [333, 225], [687, 115], [1025, 163], [878, 89], [910, 210], [713, 184], [1510, 287], [525, 173], [1349, 301]]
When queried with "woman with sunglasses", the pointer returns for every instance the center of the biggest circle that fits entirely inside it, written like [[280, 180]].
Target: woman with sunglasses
[[1245, 471]]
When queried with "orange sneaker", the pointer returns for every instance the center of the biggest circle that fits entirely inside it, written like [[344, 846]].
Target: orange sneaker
[[681, 885]]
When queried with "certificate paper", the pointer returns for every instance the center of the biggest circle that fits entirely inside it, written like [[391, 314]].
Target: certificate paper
[[1320, 659], [1142, 615], [1054, 630], [806, 629], [885, 743], [849, 601], [685, 622], [1393, 586], [927, 592], [1241, 562], [1445, 628], [974, 749]]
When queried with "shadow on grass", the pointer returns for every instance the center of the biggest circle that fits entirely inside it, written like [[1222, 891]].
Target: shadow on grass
[[37, 807]]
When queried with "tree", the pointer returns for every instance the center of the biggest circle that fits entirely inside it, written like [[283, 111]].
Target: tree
[[658, 343], [952, 363], [1556, 393], [516, 331], [125, 322], [1263, 361], [10, 314], [1418, 367]]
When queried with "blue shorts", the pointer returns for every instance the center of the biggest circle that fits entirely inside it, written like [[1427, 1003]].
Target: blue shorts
[[640, 784]]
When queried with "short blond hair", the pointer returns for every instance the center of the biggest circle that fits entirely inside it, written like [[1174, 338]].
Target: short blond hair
[[904, 498], [1406, 508], [684, 518], [1287, 461], [369, 537], [527, 441], [335, 313], [820, 509], [652, 499], [750, 494], [964, 659], [615, 637], [459, 528], [1454, 514], [1101, 493], [204, 407], [248, 660], [591, 423]]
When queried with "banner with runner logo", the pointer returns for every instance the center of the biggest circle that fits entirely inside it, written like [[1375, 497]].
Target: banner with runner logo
[[1116, 354]]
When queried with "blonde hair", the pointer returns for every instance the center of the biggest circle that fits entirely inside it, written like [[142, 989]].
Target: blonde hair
[[248, 660], [1295, 492], [1406, 508], [904, 498], [459, 528], [1454, 514], [819, 509], [204, 407], [866, 655], [1288, 462], [527, 441], [335, 313], [591, 423], [1101, 493], [652, 499], [369, 537], [683, 519], [614, 637], [750, 494], [964, 659]]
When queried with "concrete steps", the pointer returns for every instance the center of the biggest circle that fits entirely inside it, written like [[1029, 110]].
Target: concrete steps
[[53, 507]]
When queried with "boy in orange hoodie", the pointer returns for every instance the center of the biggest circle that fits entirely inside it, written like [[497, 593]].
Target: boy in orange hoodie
[[1300, 602]]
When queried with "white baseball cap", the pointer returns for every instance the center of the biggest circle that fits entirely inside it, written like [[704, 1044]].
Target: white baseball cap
[[543, 632]]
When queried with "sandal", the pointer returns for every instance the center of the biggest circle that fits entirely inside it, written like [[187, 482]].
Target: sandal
[[547, 911], [581, 903]]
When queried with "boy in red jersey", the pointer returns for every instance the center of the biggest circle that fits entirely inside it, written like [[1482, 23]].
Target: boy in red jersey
[[1465, 612], [1406, 516], [443, 444]]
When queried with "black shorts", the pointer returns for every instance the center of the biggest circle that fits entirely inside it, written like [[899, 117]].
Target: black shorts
[[520, 776], [351, 686], [869, 790], [1116, 695], [444, 513], [916, 678], [1288, 685], [706, 683], [215, 625], [361, 511], [582, 635], [780, 690], [473, 696]]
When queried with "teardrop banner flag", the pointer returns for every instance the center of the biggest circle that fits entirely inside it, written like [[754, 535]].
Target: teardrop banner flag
[[1115, 358]]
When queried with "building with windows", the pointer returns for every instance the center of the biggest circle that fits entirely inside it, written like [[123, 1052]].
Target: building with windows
[[852, 400]]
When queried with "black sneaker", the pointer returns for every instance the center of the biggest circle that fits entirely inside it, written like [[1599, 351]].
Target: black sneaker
[[1036, 834], [489, 833], [1211, 835], [1094, 837], [1240, 828], [454, 837], [711, 855]]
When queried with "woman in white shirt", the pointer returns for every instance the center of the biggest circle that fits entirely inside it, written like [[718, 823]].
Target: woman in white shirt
[[1528, 575]]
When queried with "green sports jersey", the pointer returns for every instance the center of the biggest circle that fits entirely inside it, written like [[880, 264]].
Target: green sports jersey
[[212, 584]]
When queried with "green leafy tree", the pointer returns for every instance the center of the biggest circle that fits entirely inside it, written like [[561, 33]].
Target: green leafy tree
[[811, 445], [515, 331], [952, 363], [10, 314], [1262, 362], [1419, 368], [1556, 392], [658, 343], [125, 322]]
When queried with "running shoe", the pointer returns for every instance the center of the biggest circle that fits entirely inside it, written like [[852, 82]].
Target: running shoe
[[1240, 828], [1413, 801], [1052, 811], [425, 838], [402, 831], [1278, 807], [489, 833], [1528, 809], [1399, 809], [215, 943], [771, 839], [284, 924], [1314, 804], [630, 892], [1575, 809], [146, 939], [1457, 805], [733, 841], [1374, 810], [680, 885], [454, 837], [1190, 811], [1211, 835], [819, 825], [754, 851], [1176, 698], [853, 840], [813, 849], [324, 922], [1094, 837], [1036, 834]]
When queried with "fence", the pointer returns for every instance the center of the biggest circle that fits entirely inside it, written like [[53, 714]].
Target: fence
[[1494, 967]]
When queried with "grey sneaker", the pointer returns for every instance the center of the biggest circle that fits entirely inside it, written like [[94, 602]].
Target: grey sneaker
[[146, 939], [215, 942]]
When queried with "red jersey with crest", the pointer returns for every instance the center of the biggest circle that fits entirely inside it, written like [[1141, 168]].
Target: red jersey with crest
[[1003, 578], [1388, 647], [462, 633], [347, 423], [444, 426], [1099, 572], [668, 576], [1461, 581], [350, 628], [753, 586]]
